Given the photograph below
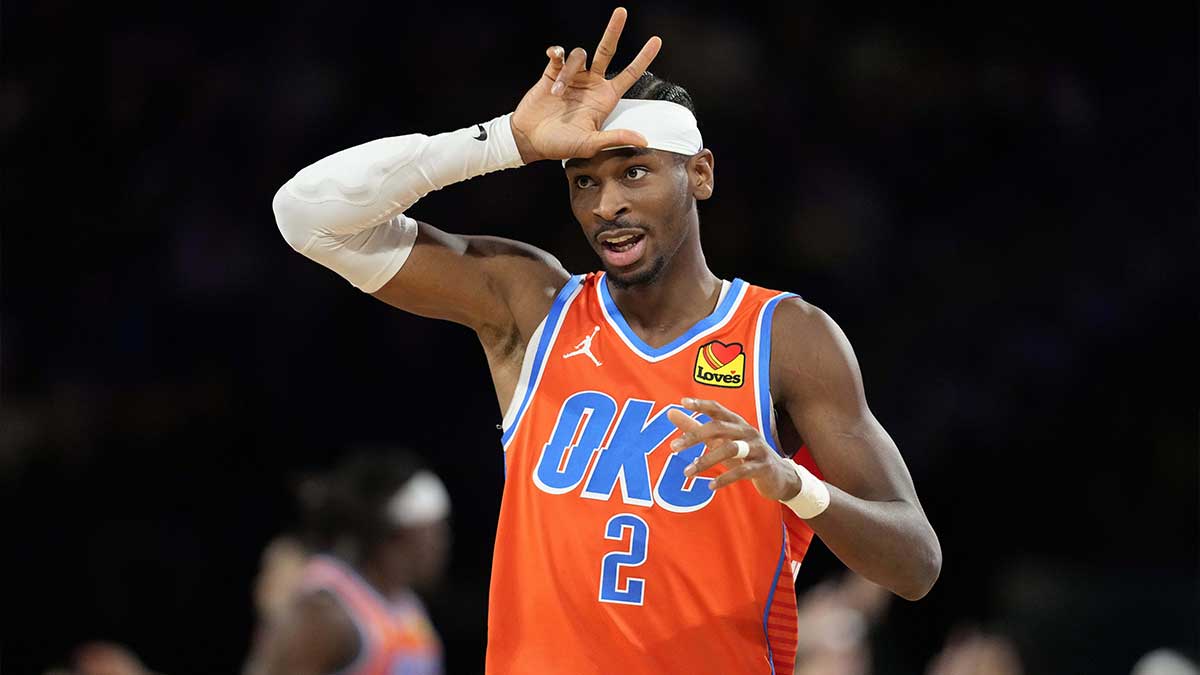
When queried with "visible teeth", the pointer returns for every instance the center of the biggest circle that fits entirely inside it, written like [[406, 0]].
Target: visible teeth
[[621, 240]]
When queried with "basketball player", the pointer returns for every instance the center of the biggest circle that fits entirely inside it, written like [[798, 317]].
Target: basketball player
[[648, 512], [378, 524]]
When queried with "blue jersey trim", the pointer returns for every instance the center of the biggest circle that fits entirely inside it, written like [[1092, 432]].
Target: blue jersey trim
[[366, 645], [348, 570], [762, 375], [549, 332], [771, 595], [718, 314]]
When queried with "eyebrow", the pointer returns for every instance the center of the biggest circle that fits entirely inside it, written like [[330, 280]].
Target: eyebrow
[[622, 152]]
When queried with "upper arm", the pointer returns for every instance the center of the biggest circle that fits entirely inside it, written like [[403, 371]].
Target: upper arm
[[314, 637], [816, 380], [487, 283]]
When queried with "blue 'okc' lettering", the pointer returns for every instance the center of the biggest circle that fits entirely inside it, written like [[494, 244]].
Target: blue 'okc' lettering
[[672, 491], [599, 410], [625, 460]]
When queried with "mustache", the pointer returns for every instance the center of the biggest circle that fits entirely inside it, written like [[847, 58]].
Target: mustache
[[618, 224]]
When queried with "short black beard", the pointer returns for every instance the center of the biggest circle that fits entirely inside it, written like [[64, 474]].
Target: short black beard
[[644, 278]]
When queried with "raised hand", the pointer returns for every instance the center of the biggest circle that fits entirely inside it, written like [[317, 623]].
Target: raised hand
[[769, 472], [561, 115]]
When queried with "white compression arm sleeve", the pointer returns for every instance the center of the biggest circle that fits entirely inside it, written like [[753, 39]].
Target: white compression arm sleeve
[[346, 211]]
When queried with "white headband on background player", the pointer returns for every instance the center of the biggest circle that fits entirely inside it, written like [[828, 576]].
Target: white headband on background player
[[666, 125], [420, 501]]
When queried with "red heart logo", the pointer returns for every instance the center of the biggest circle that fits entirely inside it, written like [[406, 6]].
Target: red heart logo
[[724, 353]]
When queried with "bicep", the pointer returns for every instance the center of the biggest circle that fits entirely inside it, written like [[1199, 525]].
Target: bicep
[[821, 388], [471, 280]]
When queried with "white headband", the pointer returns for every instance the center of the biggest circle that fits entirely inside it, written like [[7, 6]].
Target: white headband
[[420, 501], [666, 125]]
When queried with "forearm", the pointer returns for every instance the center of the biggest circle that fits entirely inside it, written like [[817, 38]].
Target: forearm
[[889, 542], [346, 211]]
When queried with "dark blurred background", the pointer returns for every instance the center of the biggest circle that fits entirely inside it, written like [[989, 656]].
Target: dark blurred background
[[996, 202]]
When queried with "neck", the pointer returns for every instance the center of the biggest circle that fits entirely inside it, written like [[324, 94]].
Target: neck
[[387, 585], [685, 292]]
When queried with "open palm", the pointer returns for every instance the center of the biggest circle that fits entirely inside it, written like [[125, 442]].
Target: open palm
[[561, 115]]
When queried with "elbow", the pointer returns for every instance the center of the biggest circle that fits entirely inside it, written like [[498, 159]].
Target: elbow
[[925, 571]]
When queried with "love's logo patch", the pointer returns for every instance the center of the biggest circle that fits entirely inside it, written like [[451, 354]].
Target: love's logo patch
[[720, 365]]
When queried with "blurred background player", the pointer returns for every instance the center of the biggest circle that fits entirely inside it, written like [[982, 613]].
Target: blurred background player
[[377, 528], [281, 568], [835, 620]]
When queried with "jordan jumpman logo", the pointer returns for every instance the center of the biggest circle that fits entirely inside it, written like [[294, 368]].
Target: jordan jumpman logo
[[585, 347]]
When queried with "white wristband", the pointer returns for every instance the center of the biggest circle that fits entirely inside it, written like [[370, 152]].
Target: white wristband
[[813, 498], [346, 211]]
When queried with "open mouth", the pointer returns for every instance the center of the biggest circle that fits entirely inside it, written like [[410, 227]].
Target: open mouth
[[622, 248], [622, 243]]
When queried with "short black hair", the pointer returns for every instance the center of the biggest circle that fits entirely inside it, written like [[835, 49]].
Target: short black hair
[[348, 505], [651, 87]]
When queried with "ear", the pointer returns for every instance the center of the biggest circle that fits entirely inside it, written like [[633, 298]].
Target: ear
[[700, 174]]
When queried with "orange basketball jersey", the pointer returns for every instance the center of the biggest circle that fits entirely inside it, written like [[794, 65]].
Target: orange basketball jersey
[[608, 559], [395, 635]]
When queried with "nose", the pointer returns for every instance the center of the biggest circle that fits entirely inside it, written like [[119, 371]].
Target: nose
[[612, 202]]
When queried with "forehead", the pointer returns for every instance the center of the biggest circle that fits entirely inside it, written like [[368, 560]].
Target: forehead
[[615, 154]]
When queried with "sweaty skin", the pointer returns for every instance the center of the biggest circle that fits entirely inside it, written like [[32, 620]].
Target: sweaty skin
[[503, 289]]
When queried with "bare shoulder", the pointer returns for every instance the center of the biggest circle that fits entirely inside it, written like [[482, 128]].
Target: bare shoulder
[[320, 611], [798, 314], [526, 277], [314, 636], [809, 352], [499, 287], [802, 330], [527, 274]]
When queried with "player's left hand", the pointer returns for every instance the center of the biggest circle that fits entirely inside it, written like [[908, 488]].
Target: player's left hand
[[769, 472]]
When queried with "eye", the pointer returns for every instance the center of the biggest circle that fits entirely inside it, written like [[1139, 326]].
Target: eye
[[583, 182], [629, 172]]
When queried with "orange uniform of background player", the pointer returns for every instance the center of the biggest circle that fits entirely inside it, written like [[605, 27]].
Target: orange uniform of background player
[[607, 558], [395, 635]]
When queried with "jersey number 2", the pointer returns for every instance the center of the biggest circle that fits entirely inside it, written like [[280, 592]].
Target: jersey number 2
[[634, 588]]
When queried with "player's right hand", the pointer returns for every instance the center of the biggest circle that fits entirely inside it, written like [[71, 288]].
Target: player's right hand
[[560, 117]]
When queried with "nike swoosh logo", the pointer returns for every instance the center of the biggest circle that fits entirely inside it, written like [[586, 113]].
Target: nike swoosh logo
[[482, 133]]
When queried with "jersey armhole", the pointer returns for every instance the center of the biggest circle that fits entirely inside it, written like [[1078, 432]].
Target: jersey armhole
[[534, 360], [365, 644], [799, 535], [764, 406]]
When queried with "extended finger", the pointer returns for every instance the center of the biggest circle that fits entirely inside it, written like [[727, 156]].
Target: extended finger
[[575, 62], [682, 420], [614, 138], [556, 56], [608, 43], [708, 433], [715, 454], [712, 409], [712, 457], [745, 470], [626, 78]]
